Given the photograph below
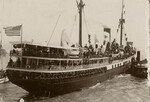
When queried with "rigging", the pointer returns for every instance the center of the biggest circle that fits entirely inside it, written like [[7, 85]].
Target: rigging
[[85, 21], [53, 30]]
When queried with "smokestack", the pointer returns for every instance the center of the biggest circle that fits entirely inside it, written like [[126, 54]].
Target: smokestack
[[138, 56]]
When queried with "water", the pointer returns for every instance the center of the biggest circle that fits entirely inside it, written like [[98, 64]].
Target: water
[[122, 88]]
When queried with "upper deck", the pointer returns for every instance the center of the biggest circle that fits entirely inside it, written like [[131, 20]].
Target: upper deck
[[44, 51], [28, 56]]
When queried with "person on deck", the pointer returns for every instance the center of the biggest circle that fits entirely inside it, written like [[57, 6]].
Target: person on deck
[[18, 62], [11, 62]]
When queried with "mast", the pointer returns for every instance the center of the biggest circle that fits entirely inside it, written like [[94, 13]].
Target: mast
[[122, 20], [80, 7]]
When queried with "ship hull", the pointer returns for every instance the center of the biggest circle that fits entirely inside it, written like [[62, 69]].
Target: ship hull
[[140, 72], [45, 85]]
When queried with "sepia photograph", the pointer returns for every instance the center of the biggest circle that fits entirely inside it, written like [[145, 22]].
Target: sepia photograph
[[74, 51]]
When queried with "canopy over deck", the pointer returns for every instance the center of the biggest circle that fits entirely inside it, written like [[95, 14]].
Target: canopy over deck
[[18, 45]]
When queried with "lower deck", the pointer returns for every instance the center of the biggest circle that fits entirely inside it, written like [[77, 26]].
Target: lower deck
[[56, 82], [95, 63], [53, 84]]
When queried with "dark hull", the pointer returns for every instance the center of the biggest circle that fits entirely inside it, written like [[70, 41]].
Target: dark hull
[[45, 85], [140, 72]]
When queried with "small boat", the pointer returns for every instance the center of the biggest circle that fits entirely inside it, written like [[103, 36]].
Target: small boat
[[140, 67], [3, 77]]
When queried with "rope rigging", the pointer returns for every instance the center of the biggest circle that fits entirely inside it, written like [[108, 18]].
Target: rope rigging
[[85, 21], [53, 30], [124, 32], [74, 22], [122, 21], [72, 26]]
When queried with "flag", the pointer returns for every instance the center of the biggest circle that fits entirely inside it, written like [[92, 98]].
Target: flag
[[130, 43], [122, 20], [13, 30], [105, 36], [117, 30], [107, 30], [123, 6], [104, 42]]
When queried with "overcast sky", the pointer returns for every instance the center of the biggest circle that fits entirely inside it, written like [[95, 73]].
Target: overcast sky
[[39, 18]]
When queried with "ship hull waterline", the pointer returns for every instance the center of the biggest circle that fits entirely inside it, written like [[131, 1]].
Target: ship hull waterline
[[45, 86]]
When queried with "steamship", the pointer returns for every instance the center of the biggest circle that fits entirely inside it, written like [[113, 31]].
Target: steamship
[[51, 71]]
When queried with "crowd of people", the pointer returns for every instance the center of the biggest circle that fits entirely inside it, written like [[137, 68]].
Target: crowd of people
[[85, 52], [110, 50], [53, 64]]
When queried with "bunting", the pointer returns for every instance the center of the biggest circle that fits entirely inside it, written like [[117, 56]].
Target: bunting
[[105, 36], [107, 30], [117, 30]]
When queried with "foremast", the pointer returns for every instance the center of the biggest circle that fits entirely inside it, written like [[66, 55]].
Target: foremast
[[122, 21], [80, 8]]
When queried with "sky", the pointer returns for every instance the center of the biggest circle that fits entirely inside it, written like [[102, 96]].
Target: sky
[[39, 17]]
